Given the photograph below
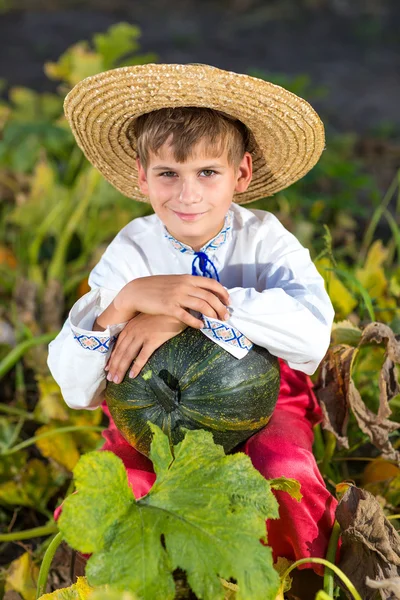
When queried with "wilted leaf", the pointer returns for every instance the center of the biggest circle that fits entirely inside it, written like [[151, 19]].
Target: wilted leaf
[[284, 484], [205, 514], [281, 566], [11, 465], [51, 405], [337, 392], [22, 576], [61, 448], [80, 590], [33, 487], [387, 585], [370, 544], [109, 594], [344, 332]]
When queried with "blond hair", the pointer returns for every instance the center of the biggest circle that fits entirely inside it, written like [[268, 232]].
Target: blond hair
[[188, 126]]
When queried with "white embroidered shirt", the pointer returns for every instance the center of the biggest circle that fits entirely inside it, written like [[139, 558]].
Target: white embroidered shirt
[[278, 298]]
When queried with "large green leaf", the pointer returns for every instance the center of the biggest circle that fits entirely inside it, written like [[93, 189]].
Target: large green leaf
[[205, 514]]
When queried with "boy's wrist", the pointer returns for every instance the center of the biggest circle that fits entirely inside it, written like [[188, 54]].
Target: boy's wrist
[[123, 303], [119, 311]]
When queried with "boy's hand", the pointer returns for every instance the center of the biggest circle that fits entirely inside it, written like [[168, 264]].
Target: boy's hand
[[173, 295], [137, 341]]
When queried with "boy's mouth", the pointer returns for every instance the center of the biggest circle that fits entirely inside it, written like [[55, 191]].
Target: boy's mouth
[[188, 216]]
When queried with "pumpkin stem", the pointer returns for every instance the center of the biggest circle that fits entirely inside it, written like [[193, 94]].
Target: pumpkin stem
[[166, 388]]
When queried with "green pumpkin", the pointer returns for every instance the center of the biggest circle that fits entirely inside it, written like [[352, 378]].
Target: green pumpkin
[[191, 382]]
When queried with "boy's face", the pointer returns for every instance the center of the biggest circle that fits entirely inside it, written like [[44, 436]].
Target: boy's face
[[192, 198]]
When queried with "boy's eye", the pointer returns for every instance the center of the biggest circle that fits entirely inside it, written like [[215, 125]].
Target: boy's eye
[[167, 174], [208, 172]]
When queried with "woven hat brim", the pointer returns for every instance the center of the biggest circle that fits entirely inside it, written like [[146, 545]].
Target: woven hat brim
[[288, 136]]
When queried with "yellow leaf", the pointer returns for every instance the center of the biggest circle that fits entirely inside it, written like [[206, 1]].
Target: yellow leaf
[[81, 590], [43, 180], [343, 301], [386, 309], [33, 486], [22, 577], [394, 285], [60, 447], [51, 405], [281, 565], [75, 64], [372, 275], [379, 470]]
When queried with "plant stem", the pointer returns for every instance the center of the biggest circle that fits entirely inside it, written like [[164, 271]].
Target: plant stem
[[319, 444], [46, 564], [376, 217], [330, 446], [16, 353], [56, 431], [57, 264], [326, 563], [331, 556], [19, 412], [27, 534]]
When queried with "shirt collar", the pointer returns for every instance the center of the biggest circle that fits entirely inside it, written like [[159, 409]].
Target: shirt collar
[[213, 244]]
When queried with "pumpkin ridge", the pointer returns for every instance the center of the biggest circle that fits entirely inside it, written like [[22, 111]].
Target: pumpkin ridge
[[200, 367], [250, 384], [221, 424]]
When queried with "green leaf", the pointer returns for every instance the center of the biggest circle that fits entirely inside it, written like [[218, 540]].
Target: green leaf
[[284, 484], [119, 40], [205, 514]]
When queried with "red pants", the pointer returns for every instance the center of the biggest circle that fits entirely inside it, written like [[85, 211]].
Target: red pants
[[283, 448]]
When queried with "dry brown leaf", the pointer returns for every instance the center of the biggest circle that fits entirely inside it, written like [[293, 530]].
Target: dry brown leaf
[[388, 383], [370, 544], [337, 392], [388, 585]]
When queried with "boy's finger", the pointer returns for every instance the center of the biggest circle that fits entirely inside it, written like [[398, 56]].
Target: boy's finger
[[141, 360], [214, 286], [119, 367], [184, 316]]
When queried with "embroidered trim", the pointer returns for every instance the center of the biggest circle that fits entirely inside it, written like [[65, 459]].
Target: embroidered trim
[[97, 344], [226, 333], [213, 244]]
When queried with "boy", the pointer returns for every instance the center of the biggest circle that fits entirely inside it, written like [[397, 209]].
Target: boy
[[197, 142]]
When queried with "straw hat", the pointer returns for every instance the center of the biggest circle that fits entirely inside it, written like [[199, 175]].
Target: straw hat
[[286, 134]]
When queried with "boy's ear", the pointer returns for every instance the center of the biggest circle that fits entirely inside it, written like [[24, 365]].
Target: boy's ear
[[244, 173], [142, 178]]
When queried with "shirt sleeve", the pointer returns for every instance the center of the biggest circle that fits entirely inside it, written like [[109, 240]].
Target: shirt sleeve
[[288, 311], [78, 355]]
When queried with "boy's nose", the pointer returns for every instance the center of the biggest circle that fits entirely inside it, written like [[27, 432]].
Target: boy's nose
[[189, 193]]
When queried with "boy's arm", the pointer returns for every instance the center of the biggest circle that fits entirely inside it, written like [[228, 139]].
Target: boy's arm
[[291, 317], [287, 310], [78, 355]]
